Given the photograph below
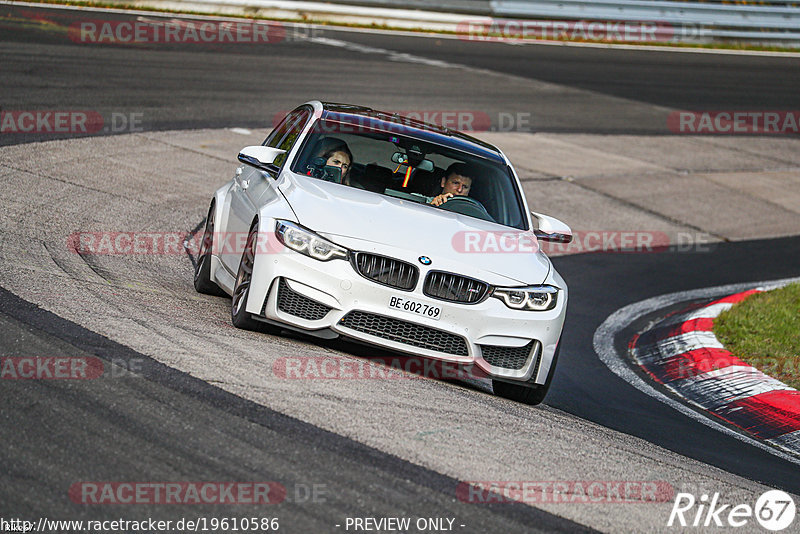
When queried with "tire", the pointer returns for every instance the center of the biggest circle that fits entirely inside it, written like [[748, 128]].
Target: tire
[[527, 392], [241, 289], [202, 271]]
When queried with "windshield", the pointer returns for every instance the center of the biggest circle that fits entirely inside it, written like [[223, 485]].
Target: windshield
[[393, 164]]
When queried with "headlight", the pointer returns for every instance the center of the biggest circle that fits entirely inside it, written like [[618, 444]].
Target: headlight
[[534, 298], [307, 242]]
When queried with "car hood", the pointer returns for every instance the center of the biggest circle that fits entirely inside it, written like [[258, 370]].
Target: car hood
[[403, 229]]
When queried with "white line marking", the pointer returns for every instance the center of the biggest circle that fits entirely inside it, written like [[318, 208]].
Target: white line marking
[[391, 54], [675, 345], [425, 34], [706, 312], [729, 384], [620, 319], [790, 440], [709, 312]]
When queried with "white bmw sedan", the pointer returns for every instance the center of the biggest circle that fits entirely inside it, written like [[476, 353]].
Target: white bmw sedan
[[357, 223]]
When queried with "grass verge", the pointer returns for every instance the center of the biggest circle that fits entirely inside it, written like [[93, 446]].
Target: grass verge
[[764, 331]]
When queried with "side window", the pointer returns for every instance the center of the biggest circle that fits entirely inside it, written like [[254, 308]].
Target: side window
[[277, 134], [286, 133]]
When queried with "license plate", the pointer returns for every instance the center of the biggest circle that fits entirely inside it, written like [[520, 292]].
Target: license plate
[[417, 308]]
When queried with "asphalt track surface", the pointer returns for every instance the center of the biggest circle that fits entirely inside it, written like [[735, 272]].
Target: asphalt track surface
[[121, 430], [137, 429], [603, 283], [243, 84]]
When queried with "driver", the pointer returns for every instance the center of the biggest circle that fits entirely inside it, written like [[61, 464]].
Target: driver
[[457, 181]]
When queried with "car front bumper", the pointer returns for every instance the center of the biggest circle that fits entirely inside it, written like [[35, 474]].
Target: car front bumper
[[331, 298]]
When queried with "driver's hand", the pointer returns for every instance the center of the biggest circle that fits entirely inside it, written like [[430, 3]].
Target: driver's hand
[[441, 199]]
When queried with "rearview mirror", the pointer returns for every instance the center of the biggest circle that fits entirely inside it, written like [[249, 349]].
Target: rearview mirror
[[260, 157], [402, 159], [551, 229]]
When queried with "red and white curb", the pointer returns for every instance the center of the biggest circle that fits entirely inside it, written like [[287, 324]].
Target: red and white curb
[[688, 334], [682, 353]]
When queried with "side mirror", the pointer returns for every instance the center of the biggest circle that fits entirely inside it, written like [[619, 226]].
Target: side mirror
[[260, 157], [551, 229]]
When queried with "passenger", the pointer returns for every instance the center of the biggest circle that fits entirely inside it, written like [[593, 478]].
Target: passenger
[[457, 181], [341, 157]]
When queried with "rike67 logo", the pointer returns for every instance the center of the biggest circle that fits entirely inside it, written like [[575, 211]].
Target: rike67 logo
[[774, 510]]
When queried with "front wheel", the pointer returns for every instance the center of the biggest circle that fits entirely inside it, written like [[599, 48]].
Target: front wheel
[[527, 392], [202, 271], [241, 290]]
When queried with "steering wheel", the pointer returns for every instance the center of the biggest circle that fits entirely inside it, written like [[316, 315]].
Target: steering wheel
[[466, 206]]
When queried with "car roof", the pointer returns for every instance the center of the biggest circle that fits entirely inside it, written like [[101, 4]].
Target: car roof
[[393, 122]]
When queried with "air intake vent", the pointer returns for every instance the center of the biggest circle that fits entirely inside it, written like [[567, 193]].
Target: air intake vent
[[404, 332], [454, 287], [294, 303], [386, 271], [506, 357]]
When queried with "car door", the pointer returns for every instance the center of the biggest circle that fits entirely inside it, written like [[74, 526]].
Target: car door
[[254, 187]]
